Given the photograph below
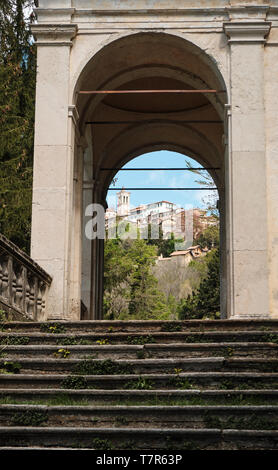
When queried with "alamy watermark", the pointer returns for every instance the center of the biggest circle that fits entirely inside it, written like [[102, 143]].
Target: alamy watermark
[[178, 222]]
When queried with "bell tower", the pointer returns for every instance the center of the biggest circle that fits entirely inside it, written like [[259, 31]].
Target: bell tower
[[123, 202]]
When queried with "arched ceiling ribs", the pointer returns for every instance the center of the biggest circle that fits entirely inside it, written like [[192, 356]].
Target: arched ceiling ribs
[[118, 152], [181, 111], [124, 78], [152, 61]]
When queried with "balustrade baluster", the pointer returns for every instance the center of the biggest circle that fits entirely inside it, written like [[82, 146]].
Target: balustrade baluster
[[23, 283]]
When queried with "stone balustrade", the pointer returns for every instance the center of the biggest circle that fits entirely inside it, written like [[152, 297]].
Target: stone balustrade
[[23, 283]]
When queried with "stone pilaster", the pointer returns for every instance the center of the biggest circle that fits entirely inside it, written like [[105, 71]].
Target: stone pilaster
[[53, 162], [248, 295]]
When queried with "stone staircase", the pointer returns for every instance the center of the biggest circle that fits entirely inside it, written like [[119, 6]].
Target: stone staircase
[[139, 385]]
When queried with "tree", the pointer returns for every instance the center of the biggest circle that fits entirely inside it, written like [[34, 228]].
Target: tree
[[146, 301], [17, 103], [206, 181], [209, 238], [165, 246], [117, 267], [130, 288], [205, 302]]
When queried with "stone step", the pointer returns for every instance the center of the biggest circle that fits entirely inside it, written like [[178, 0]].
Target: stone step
[[145, 325], [189, 380], [137, 366], [172, 385], [131, 338], [127, 351], [102, 367], [58, 396], [174, 417], [136, 438]]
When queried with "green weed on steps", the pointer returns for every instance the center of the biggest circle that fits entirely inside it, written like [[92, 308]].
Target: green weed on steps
[[253, 422], [171, 327], [54, 328], [140, 339], [73, 382], [139, 384], [105, 367], [15, 340], [71, 341], [68, 400], [29, 418], [10, 367]]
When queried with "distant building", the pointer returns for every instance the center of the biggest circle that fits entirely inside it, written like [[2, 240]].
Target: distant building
[[183, 257], [169, 216]]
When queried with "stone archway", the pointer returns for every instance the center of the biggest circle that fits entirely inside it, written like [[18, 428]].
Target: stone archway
[[76, 52], [193, 123]]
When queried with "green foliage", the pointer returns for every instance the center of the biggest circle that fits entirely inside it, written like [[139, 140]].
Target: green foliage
[[171, 327], [102, 444], [140, 339], [106, 367], [30, 418], [165, 246], [131, 290], [69, 341], [179, 382], [3, 316], [54, 328], [62, 353], [121, 421], [140, 384], [209, 238], [205, 180], [140, 354], [206, 301], [128, 445], [17, 98], [102, 341], [10, 367], [271, 338], [73, 382], [15, 340]]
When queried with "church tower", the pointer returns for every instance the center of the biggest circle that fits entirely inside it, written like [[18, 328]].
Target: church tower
[[123, 203]]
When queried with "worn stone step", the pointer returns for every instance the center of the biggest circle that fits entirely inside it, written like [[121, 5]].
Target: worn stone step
[[117, 351], [137, 366], [241, 336], [189, 380], [141, 439], [245, 350], [126, 366], [174, 417], [147, 325], [127, 351], [106, 438], [191, 385], [58, 396], [257, 364]]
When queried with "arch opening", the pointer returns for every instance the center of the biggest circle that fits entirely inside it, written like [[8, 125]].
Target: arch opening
[[119, 127], [169, 235]]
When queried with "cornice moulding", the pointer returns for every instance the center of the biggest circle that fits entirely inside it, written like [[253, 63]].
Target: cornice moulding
[[245, 31], [73, 113], [54, 15], [54, 34], [63, 14]]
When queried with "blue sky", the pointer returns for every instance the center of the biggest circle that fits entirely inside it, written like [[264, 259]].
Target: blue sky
[[167, 179]]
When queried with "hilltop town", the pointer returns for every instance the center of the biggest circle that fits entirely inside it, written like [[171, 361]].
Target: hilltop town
[[166, 216]]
